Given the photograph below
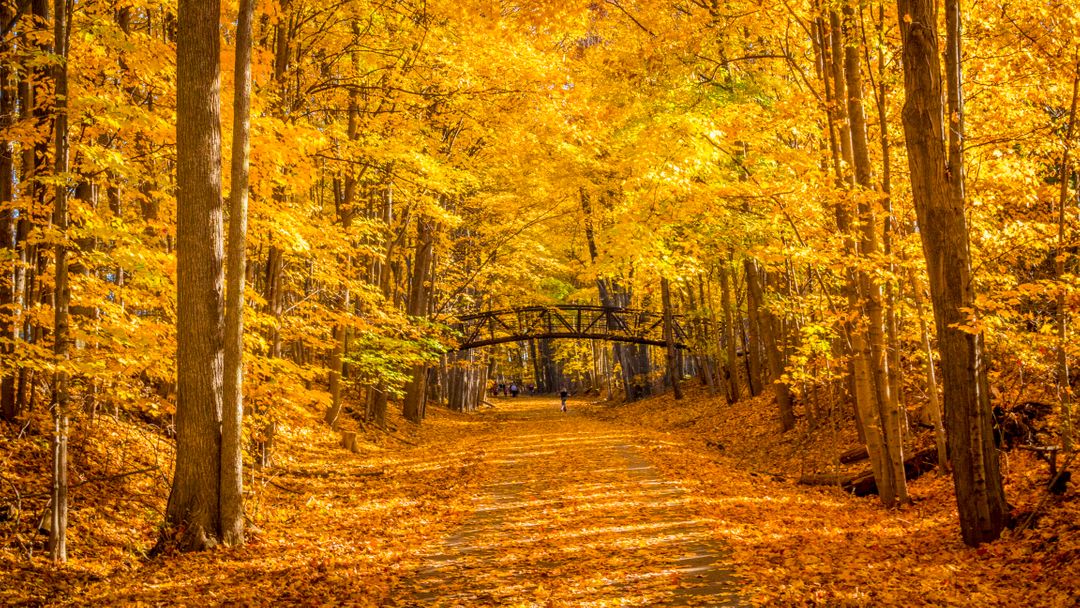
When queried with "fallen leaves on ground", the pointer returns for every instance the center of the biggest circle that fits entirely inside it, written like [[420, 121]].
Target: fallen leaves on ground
[[330, 527], [802, 546], [524, 506], [574, 516]]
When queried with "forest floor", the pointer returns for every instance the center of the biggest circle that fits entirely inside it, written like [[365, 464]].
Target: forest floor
[[653, 503], [811, 546]]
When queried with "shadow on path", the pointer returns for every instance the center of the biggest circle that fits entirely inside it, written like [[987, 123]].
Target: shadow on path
[[575, 517]]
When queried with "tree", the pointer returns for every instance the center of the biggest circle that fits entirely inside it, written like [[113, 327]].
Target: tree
[[419, 293], [232, 496], [9, 374], [194, 504], [673, 371], [936, 163], [62, 297]]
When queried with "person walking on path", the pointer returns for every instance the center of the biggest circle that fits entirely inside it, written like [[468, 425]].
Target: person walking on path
[[514, 390], [564, 394]]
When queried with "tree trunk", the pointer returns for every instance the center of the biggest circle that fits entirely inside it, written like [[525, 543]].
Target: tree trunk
[[1063, 386], [194, 505], [933, 405], [35, 160], [273, 291], [538, 368], [892, 322], [673, 371], [936, 181], [770, 328], [62, 298], [232, 483], [731, 349], [753, 353], [8, 245], [868, 409], [336, 369], [418, 305], [869, 247], [611, 296]]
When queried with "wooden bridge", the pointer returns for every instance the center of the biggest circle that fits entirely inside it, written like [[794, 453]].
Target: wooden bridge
[[566, 321]]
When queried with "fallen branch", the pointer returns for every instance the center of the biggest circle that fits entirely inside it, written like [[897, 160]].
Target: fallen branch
[[855, 454], [863, 482], [281, 487], [1046, 497]]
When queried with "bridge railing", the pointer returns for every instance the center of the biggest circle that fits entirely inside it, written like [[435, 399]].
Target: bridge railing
[[566, 321]]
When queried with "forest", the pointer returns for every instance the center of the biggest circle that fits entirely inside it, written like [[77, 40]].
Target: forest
[[539, 302]]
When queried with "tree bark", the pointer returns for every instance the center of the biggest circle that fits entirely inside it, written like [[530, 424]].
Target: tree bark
[[731, 349], [62, 297], [418, 306], [8, 245], [673, 371], [868, 408], [889, 225], [336, 369], [232, 496], [936, 181], [703, 342], [194, 506], [933, 405], [869, 247], [274, 294], [753, 353], [1064, 388], [611, 296]]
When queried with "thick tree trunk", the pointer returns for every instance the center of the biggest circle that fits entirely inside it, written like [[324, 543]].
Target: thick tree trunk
[[936, 181], [551, 370], [379, 403], [538, 375], [892, 321], [194, 505], [415, 391], [232, 490]]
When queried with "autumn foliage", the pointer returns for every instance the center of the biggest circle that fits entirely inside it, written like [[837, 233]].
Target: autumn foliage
[[852, 226]]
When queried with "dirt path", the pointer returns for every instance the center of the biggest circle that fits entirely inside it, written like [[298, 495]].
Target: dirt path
[[575, 516]]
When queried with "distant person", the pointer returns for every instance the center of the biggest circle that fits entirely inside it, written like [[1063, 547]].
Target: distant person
[[502, 389], [514, 390], [564, 395]]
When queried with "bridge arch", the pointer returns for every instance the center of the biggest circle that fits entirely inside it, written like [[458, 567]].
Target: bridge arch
[[574, 321]]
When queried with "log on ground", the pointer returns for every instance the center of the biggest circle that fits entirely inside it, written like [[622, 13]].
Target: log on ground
[[863, 482]]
